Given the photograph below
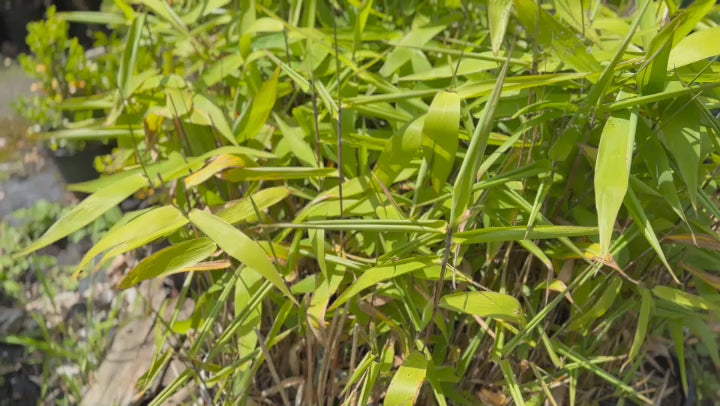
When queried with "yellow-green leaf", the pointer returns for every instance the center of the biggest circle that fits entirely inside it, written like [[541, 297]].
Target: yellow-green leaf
[[403, 52], [127, 64], [169, 261], [396, 156], [373, 276], [516, 233], [565, 42], [440, 136], [498, 16], [278, 173], [217, 164], [484, 304], [677, 333], [222, 68], [154, 223], [612, 172], [240, 210], [262, 105], [88, 210], [405, 384], [697, 46], [215, 116], [684, 299], [239, 246]]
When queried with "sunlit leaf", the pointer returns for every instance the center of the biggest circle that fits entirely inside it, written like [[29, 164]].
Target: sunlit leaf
[[514, 233], [152, 224], [440, 136], [484, 304], [402, 53], [168, 261], [240, 247], [373, 276], [612, 171], [261, 107], [88, 210], [498, 16], [405, 384]]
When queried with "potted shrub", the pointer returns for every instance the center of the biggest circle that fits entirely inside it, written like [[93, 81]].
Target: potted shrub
[[63, 71]]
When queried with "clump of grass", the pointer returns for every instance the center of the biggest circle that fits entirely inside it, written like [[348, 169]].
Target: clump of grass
[[431, 203]]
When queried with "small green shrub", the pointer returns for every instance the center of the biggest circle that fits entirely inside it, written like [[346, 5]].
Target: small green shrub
[[63, 71]]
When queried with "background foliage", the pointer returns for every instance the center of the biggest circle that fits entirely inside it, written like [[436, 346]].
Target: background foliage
[[425, 202]]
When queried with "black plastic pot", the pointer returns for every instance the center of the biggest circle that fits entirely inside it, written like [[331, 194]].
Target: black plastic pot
[[14, 16], [79, 166]]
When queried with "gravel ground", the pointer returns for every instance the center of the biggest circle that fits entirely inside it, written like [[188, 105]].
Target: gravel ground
[[26, 173]]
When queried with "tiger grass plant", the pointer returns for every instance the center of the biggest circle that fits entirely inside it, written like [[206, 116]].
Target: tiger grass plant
[[417, 202]]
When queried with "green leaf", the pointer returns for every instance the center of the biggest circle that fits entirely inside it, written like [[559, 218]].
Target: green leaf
[[88, 210], [169, 261], [399, 151], [419, 226], [678, 337], [646, 306], [565, 42], [405, 384], [599, 307], [690, 17], [658, 166], [242, 209], [498, 16], [92, 17], [327, 285], [202, 9], [262, 105], [218, 71], [92, 133], [464, 67], [515, 233], [708, 338], [485, 304], [369, 383], [240, 247], [362, 14], [684, 299], [163, 9], [681, 135], [297, 78], [612, 172], [294, 137], [129, 59], [567, 141], [440, 136], [511, 381], [279, 173], [652, 75], [215, 116], [248, 284], [178, 101], [153, 224], [402, 52], [462, 190], [373, 276], [634, 207], [695, 47]]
